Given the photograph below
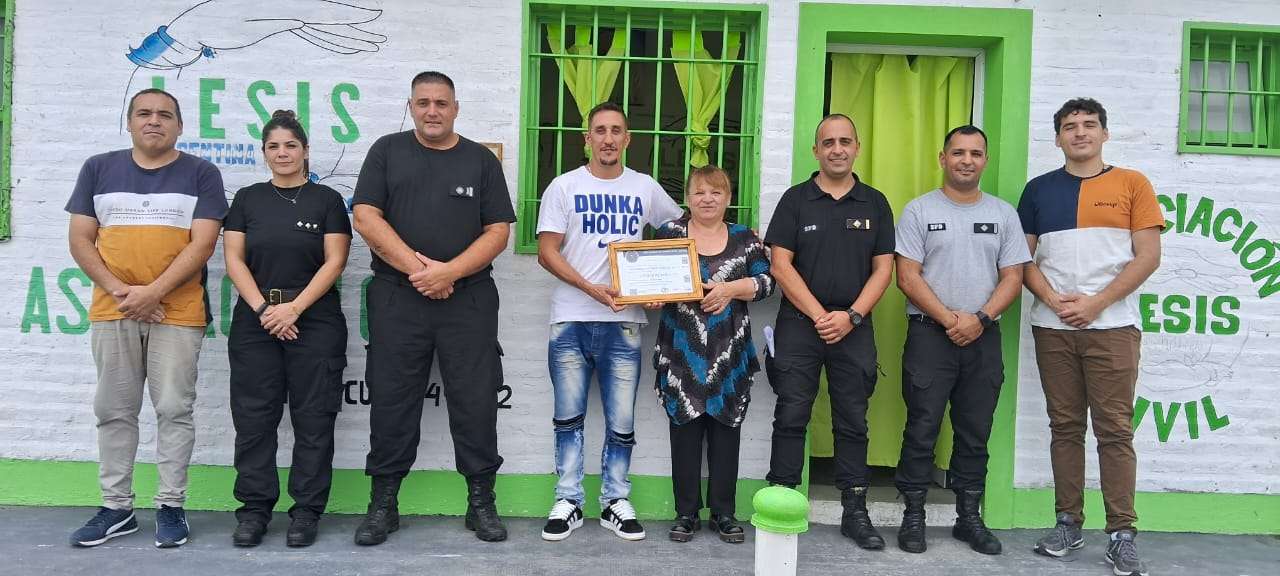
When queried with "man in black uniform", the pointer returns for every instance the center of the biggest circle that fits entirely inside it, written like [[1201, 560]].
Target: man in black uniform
[[434, 210], [831, 240]]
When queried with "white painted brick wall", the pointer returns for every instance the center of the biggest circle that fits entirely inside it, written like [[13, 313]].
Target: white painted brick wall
[[70, 79]]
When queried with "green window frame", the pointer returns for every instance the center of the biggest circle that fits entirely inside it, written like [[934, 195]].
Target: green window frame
[[556, 135], [1230, 97], [6, 89]]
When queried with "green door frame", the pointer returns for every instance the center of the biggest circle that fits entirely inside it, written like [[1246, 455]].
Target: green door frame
[[6, 121], [1005, 35]]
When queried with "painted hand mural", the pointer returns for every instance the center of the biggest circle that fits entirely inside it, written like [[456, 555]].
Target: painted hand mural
[[215, 25], [1195, 330]]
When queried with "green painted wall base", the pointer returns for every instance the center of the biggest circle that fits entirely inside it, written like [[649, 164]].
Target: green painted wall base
[[1164, 511], [61, 483]]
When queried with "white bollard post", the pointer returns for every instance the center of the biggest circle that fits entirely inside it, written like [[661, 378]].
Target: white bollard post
[[776, 554], [781, 515]]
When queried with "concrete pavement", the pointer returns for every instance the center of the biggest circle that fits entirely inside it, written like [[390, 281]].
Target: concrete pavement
[[33, 541]]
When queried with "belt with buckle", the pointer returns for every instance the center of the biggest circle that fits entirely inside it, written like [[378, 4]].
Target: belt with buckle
[[401, 280], [929, 321], [276, 296], [923, 319]]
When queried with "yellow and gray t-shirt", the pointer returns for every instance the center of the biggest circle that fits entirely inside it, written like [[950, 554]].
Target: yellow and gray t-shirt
[[144, 218]]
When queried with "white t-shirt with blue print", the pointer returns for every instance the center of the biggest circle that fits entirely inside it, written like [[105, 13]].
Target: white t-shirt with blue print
[[592, 212]]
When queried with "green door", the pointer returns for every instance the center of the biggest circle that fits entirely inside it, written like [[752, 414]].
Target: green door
[[903, 104]]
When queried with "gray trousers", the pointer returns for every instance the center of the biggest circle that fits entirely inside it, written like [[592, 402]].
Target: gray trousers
[[128, 355]]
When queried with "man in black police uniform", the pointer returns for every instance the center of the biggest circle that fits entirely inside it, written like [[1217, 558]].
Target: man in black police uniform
[[831, 240], [434, 210], [960, 265]]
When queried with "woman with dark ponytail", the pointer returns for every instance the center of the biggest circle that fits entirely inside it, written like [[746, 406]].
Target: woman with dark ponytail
[[286, 242]]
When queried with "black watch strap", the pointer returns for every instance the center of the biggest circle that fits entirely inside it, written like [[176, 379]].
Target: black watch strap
[[855, 317], [986, 320], [263, 308]]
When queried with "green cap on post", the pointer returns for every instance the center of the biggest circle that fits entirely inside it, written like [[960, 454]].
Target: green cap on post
[[780, 510]]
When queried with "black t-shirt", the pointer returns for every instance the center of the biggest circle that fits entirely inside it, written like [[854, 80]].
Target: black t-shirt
[[284, 241], [833, 240], [437, 201]]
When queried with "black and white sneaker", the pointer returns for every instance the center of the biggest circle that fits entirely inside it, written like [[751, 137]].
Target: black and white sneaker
[[620, 517], [565, 517]]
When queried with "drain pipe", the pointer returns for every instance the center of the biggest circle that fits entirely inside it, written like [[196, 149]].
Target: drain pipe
[[781, 514]]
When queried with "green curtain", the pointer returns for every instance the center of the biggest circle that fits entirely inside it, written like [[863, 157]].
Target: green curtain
[[578, 73], [704, 81], [903, 108]]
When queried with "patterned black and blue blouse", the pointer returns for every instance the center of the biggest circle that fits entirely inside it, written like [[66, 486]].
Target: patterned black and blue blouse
[[705, 363]]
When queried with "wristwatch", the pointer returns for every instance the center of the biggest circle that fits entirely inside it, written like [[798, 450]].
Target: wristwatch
[[263, 308], [986, 320], [854, 316]]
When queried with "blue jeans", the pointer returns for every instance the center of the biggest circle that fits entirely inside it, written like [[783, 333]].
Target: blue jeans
[[612, 351]]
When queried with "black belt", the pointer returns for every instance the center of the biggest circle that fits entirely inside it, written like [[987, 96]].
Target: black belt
[[457, 284], [276, 296], [787, 304], [929, 321]]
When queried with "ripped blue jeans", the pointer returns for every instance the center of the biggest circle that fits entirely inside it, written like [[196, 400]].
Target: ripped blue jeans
[[610, 350]]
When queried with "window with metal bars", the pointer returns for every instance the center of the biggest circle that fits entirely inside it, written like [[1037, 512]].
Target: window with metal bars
[[6, 73], [1230, 89], [689, 79]]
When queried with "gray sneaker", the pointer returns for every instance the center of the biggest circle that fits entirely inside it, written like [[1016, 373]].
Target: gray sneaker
[[1064, 538], [1122, 555]]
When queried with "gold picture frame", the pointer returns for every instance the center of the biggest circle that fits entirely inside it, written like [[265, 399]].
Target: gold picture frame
[[659, 275]]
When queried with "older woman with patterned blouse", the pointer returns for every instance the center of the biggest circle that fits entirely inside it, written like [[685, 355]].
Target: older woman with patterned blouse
[[705, 358]]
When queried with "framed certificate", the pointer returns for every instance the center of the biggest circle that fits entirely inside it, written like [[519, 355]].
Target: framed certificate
[[655, 271]]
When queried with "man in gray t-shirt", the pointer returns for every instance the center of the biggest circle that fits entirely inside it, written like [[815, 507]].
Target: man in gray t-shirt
[[959, 258]]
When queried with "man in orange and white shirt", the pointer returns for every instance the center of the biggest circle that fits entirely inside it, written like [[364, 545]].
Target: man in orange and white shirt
[[144, 221], [1094, 232]]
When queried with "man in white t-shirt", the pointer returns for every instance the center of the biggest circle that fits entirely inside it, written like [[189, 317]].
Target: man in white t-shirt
[[582, 212]]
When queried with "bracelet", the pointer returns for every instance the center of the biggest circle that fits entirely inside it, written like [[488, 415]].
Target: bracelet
[[261, 309]]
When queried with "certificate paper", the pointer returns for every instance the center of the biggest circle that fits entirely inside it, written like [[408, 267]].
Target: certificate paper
[[649, 272], [655, 271]]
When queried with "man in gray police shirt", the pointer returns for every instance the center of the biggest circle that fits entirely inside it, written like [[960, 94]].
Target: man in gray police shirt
[[959, 256]]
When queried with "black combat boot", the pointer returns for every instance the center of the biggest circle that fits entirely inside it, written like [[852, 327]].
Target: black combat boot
[[383, 516], [249, 532], [969, 526], [482, 515], [855, 523], [911, 534], [303, 530]]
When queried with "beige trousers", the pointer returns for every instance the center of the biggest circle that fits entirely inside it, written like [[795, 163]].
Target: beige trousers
[[128, 355]]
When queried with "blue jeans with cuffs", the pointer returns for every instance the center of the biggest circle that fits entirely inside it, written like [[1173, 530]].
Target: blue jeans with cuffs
[[610, 350]]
